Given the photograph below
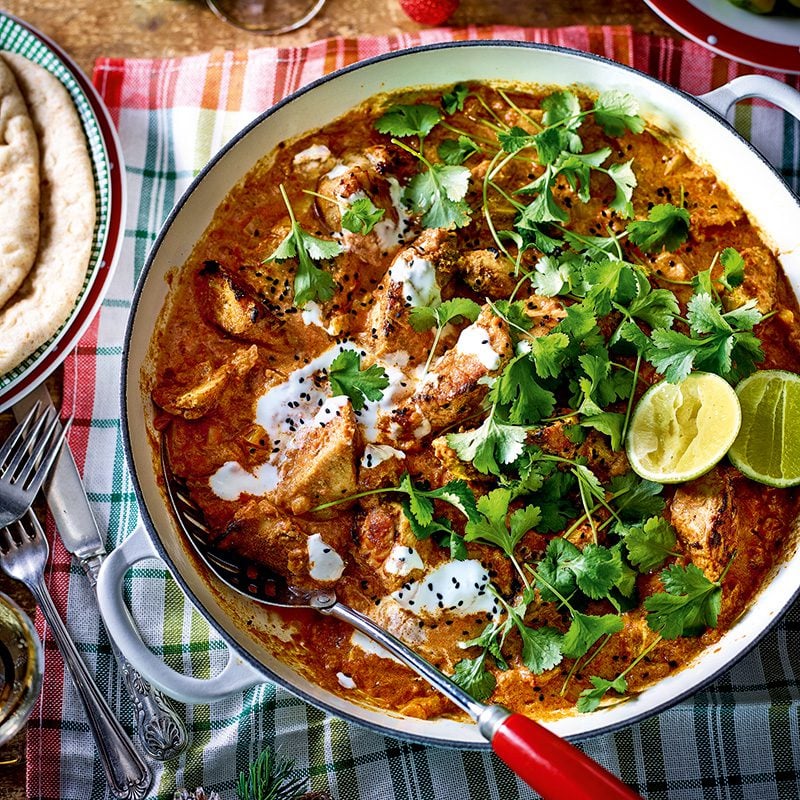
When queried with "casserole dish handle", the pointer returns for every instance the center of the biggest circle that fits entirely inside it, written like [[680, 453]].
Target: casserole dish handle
[[237, 674], [780, 94]]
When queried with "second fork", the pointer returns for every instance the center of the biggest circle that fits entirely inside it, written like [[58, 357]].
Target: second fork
[[24, 556]]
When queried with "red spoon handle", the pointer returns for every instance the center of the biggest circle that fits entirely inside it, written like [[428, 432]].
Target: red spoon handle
[[552, 766]]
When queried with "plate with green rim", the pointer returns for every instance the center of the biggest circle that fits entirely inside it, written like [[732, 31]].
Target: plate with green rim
[[105, 153]]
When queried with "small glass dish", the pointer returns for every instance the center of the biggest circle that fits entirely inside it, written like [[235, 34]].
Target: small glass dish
[[266, 16], [21, 668]]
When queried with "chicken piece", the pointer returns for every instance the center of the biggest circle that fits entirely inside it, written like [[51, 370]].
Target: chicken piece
[[312, 162], [195, 392], [456, 468], [544, 313], [711, 520], [234, 310], [487, 272], [760, 280], [553, 439], [319, 465], [391, 550], [292, 547], [367, 175], [604, 462], [453, 390], [415, 278]]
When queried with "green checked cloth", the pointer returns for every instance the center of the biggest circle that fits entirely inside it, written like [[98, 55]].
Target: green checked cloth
[[740, 738]]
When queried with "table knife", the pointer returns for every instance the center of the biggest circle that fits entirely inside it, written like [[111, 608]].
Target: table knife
[[161, 732]]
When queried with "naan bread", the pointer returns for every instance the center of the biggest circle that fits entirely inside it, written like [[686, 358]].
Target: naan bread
[[67, 217], [19, 187]]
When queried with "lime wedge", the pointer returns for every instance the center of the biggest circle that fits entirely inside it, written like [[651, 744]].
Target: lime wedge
[[767, 448], [679, 431]]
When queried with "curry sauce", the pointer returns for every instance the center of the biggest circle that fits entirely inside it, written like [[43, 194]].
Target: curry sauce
[[400, 363]]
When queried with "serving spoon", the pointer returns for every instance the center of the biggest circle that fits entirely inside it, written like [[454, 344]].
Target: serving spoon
[[547, 763]]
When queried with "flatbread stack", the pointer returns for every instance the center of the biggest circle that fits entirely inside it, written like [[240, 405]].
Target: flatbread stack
[[47, 207]]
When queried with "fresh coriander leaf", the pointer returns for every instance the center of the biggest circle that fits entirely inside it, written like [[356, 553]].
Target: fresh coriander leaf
[[438, 194], [544, 207], [666, 227], [515, 139], [552, 143], [657, 307], [702, 283], [489, 444], [590, 699], [580, 322], [577, 167], [554, 275], [673, 353], [596, 571], [562, 108], [610, 423], [548, 354], [453, 100], [424, 317], [458, 494], [408, 120], [624, 184], [513, 313], [347, 378], [636, 499], [616, 112], [438, 528], [648, 545], [690, 604], [541, 647], [517, 388], [310, 282], [492, 525], [626, 583], [361, 216], [595, 247], [609, 281], [457, 151], [585, 630], [721, 342], [420, 501], [554, 572], [733, 268], [473, 677]]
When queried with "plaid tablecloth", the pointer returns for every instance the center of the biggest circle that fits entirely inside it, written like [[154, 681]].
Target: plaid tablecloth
[[740, 738]]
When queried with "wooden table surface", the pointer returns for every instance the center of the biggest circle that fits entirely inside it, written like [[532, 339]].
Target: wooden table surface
[[87, 29]]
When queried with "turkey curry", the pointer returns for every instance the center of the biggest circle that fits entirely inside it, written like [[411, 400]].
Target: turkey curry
[[401, 363]]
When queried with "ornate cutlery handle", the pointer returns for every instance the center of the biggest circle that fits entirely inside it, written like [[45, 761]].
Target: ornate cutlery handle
[[128, 775], [161, 731]]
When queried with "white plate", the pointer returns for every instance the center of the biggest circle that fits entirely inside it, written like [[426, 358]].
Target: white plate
[[107, 165], [771, 42]]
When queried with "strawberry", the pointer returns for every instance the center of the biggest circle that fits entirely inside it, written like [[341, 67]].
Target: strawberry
[[429, 12]]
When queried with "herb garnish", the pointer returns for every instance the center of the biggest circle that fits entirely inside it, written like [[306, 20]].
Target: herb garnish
[[310, 282], [347, 378]]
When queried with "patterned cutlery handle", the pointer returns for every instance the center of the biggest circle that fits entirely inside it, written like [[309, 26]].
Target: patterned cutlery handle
[[161, 732]]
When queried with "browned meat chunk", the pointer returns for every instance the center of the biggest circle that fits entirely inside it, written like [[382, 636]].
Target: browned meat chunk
[[193, 393], [392, 551], [415, 278], [370, 174], [488, 273], [760, 280], [320, 463], [260, 531], [452, 390], [553, 439], [233, 309]]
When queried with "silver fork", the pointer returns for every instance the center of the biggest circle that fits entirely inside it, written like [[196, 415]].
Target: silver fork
[[26, 458], [23, 555]]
